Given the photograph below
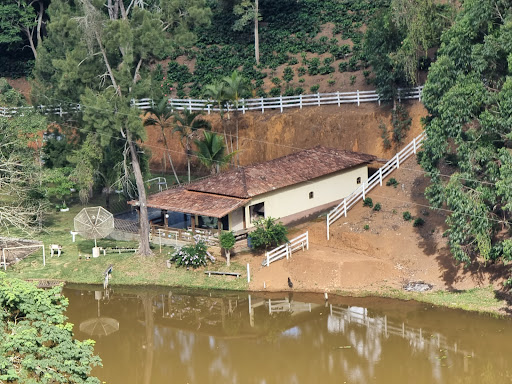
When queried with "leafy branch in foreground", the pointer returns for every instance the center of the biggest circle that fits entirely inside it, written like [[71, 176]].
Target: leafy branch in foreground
[[36, 342]]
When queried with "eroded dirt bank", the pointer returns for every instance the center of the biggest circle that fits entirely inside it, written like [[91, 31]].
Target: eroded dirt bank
[[273, 134]]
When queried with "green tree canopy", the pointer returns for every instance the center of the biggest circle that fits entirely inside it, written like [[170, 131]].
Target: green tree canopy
[[212, 152], [468, 151], [94, 53], [36, 342]]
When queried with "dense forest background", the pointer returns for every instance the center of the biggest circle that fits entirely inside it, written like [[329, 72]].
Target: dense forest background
[[102, 54]]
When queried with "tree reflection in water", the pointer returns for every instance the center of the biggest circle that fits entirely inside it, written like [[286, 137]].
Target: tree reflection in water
[[183, 336]]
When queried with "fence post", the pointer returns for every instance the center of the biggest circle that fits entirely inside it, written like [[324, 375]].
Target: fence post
[[262, 105], [190, 105], [380, 176], [420, 90], [300, 100], [338, 95], [328, 226], [363, 191], [358, 101], [397, 161], [208, 108], [287, 250], [379, 99], [281, 102], [414, 145], [268, 260], [60, 110], [318, 96], [307, 240], [345, 206], [243, 106]]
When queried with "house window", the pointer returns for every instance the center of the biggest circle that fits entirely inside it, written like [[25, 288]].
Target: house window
[[358, 181], [311, 195], [256, 211]]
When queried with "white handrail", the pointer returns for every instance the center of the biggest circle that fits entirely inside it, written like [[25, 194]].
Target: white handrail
[[286, 250], [259, 104], [360, 193]]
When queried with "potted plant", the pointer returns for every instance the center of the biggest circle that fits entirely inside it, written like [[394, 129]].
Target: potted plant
[[64, 207]]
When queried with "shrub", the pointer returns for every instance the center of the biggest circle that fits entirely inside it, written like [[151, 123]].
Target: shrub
[[302, 80], [353, 79], [301, 71], [276, 81], [299, 91], [191, 255], [328, 60], [293, 61], [325, 70], [353, 63], [401, 122], [288, 74], [343, 66], [315, 88], [268, 233], [418, 222], [227, 242], [261, 93], [368, 202], [377, 207], [392, 182], [331, 82], [314, 66], [289, 91], [407, 216], [366, 227], [386, 143], [276, 91]]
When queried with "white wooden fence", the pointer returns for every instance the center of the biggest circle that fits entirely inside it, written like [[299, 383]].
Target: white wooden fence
[[360, 193], [259, 104], [286, 250], [417, 337]]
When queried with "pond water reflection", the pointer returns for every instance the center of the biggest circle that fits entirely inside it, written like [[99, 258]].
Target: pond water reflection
[[163, 336]]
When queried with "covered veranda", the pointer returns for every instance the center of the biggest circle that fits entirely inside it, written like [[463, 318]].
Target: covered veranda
[[202, 214]]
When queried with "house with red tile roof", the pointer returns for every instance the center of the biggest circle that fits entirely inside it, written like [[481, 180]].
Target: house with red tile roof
[[289, 188]]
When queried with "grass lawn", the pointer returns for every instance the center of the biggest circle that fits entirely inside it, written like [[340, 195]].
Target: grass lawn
[[481, 300], [129, 269]]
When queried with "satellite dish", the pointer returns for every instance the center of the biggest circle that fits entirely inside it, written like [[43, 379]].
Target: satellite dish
[[94, 223]]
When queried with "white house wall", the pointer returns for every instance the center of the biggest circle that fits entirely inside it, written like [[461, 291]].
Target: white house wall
[[236, 219], [294, 199]]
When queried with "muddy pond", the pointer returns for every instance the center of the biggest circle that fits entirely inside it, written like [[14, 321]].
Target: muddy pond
[[162, 335]]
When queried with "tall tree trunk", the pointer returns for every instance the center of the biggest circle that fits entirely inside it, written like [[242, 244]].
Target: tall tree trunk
[[170, 159], [28, 32], [188, 149], [256, 33], [236, 125], [144, 248]]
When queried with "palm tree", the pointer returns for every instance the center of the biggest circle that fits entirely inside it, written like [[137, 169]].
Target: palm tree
[[217, 92], [212, 152], [187, 124], [236, 85], [161, 116]]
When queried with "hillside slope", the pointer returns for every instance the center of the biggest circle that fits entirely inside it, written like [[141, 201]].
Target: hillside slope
[[273, 134]]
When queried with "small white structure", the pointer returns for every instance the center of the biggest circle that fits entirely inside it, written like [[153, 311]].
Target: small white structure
[[55, 248]]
